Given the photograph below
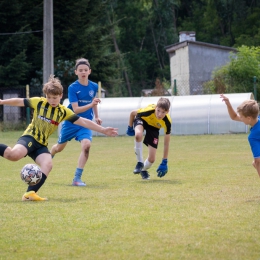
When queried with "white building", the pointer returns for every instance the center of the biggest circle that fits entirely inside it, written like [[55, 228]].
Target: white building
[[192, 62]]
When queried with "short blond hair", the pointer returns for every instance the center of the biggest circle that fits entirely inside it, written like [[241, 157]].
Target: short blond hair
[[249, 108], [53, 86]]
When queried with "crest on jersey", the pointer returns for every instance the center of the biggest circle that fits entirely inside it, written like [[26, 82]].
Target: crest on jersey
[[91, 93]]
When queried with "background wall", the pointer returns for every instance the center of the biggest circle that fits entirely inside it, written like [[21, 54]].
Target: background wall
[[192, 64], [203, 59]]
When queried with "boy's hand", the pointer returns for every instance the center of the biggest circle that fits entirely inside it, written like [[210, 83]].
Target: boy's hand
[[98, 120], [110, 131], [130, 131], [224, 98], [95, 101], [163, 168]]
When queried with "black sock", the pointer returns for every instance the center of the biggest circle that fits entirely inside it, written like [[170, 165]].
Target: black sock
[[38, 185], [2, 149]]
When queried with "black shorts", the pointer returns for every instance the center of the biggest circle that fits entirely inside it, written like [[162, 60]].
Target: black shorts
[[34, 148], [152, 133]]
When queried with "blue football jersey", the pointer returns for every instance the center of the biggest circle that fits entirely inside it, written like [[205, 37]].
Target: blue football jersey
[[83, 95]]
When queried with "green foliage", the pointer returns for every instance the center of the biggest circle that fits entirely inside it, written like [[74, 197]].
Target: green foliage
[[245, 63], [124, 40], [238, 75], [15, 71], [247, 31], [83, 30], [19, 50], [143, 29], [65, 70], [222, 21]]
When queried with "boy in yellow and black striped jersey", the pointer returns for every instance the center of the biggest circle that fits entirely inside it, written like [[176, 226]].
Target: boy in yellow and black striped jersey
[[47, 114], [151, 119]]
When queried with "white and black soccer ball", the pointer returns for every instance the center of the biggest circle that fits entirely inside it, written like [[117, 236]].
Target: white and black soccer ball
[[31, 174]]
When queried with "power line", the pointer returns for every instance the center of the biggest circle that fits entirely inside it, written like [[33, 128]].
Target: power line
[[21, 32]]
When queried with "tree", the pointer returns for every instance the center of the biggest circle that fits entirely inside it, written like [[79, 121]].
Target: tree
[[238, 75], [16, 42], [81, 30], [124, 40], [15, 71], [142, 29]]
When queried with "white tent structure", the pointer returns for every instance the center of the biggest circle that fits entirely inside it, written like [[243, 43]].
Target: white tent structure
[[191, 115]]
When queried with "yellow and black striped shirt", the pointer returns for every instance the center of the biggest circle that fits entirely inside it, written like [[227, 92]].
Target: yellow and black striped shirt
[[46, 118], [148, 115]]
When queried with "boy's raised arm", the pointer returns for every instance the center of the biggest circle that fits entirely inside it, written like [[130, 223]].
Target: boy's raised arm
[[233, 115]]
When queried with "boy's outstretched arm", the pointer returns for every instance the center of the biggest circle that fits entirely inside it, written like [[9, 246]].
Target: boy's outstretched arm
[[17, 102], [166, 146], [110, 131], [233, 115]]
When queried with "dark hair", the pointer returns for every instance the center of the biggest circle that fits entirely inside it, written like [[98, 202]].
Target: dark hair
[[81, 61]]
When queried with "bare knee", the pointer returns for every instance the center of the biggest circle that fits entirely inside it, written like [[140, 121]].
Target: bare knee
[[58, 148], [253, 163], [85, 147], [14, 157], [86, 150], [151, 160], [15, 154], [138, 137]]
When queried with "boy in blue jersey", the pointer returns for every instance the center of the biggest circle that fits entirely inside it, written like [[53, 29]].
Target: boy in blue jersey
[[248, 113], [151, 119], [48, 113], [82, 102]]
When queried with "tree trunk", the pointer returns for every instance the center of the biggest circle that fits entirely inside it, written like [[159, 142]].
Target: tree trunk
[[121, 60]]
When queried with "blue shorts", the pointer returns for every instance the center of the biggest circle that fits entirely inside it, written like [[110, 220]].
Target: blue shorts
[[70, 131]]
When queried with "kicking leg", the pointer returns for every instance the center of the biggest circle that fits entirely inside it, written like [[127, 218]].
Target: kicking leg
[[56, 148], [44, 160], [13, 154]]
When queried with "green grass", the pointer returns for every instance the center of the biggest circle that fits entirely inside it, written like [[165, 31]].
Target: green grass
[[206, 207]]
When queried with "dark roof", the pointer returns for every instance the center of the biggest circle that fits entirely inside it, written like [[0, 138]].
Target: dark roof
[[178, 45]]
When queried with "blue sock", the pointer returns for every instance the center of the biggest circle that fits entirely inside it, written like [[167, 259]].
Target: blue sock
[[78, 174]]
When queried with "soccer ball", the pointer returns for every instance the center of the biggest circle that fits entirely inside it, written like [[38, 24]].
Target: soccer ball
[[31, 174]]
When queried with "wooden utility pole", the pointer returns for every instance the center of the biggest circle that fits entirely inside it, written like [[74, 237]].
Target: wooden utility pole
[[48, 67]]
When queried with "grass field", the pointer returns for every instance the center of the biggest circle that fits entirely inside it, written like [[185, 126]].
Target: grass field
[[206, 207]]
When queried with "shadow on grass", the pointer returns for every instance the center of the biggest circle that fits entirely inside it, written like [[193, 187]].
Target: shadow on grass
[[79, 187], [175, 182], [254, 199], [50, 200]]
